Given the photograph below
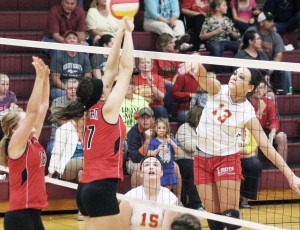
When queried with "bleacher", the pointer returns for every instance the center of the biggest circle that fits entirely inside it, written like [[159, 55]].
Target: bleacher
[[23, 19]]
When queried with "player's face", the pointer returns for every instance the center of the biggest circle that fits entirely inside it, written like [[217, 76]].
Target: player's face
[[151, 168], [239, 82], [69, 5], [161, 129]]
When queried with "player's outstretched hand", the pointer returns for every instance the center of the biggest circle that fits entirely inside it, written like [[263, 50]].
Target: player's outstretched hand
[[129, 25], [295, 184], [41, 69]]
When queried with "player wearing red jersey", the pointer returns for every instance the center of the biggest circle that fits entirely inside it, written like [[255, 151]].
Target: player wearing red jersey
[[26, 157], [104, 133]]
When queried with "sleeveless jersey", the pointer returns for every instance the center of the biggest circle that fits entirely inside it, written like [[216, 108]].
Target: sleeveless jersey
[[27, 178], [220, 122], [149, 216], [103, 146]]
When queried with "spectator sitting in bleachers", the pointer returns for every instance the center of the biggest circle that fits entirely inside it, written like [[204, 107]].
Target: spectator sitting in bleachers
[[99, 21], [68, 64], [8, 98], [168, 69], [244, 13], [138, 138], [98, 61], [286, 15], [71, 87], [131, 105], [266, 114], [251, 49], [219, 33], [162, 17], [194, 12], [184, 89], [273, 47], [251, 167], [186, 137], [151, 86], [67, 153], [63, 17]]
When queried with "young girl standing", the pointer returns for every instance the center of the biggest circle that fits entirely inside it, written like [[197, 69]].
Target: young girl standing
[[165, 147]]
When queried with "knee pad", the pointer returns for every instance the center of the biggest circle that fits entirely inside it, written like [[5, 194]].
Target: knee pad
[[231, 213], [215, 225]]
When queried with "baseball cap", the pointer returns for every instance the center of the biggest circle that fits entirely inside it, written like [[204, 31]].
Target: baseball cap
[[147, 111], [265, 16]]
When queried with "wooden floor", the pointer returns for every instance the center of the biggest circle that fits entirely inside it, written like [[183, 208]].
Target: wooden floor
[[286, 216]]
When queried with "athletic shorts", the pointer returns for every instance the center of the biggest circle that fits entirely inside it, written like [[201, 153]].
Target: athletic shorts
[[208, 170], [25, 219], [98, 198]]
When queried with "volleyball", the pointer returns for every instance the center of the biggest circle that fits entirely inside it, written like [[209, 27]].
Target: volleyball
[[122, 8]]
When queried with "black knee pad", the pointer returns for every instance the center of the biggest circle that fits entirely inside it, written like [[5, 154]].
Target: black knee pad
[[215, 225], [231, 213]]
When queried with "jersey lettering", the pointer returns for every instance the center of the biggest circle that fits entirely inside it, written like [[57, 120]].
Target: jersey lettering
[[223, 114], [153, 220]]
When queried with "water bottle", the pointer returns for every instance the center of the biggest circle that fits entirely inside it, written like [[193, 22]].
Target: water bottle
[[291, 90]]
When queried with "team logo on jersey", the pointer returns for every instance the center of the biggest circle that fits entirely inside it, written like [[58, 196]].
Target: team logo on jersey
[[222, 113], [43, 158]]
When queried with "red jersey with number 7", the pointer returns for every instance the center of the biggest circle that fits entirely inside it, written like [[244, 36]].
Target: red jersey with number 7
[[103, 146]]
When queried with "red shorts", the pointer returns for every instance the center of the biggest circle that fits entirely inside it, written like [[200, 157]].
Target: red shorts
[[208, 170]]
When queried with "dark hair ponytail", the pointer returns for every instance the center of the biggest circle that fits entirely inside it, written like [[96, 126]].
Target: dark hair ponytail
[[256, 79]]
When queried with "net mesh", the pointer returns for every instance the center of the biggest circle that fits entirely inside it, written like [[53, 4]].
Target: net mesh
[[275, 205]]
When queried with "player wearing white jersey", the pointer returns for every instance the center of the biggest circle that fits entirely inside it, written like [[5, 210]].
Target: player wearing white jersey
[[143, 216]]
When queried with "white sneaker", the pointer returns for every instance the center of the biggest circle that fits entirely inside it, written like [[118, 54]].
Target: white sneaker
[[79, 216]]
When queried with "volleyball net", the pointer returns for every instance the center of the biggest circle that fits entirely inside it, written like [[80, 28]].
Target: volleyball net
[[15, 61]]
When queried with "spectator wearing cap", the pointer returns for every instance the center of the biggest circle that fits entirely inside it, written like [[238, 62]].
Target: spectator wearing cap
[[286, 15], [63, 17], [68, 64], [138, 139], [273, 47]]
